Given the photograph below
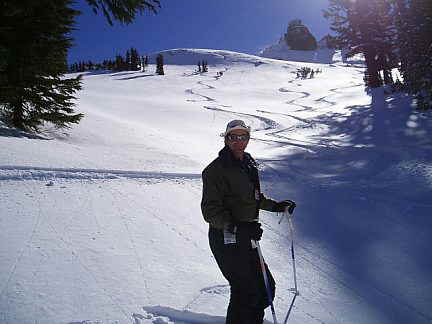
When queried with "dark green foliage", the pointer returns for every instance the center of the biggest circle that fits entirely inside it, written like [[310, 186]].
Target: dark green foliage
[[144, 62], [160, 65], [414, 29], [298, 37], [390, 33], [365, 27], [306, 72], [339, 13], [120, 63], [123, 11], [130, 62], [34, 39], [135, 63], [204, 65], [330, 41]]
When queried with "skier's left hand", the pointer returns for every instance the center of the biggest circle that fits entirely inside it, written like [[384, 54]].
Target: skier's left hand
[[282, 205], [252, 230]]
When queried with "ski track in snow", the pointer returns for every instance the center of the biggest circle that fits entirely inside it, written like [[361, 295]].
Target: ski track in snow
[[308, 146], [21, 253], [213, 290], [309, 257], [165, 315], [69, 246], [292, 102], [124, 219], [336, 91], [268, 123], [163, 222], [16, 173], [273, 125]]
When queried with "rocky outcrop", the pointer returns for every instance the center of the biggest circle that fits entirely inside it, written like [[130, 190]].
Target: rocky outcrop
[[298, 37]]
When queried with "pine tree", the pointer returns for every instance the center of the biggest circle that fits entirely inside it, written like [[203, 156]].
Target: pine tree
[[34, 36], [204, 66], [414, 25], [160, 65], [123, 11], [135, 59], [128, 60], [365, 27], [119, 63], [145, 62]]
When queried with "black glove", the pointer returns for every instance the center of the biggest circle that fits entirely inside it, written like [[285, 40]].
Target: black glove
[[282, 205], [252, 230]]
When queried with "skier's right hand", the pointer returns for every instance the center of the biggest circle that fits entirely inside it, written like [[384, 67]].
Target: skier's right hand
[[284, 204]]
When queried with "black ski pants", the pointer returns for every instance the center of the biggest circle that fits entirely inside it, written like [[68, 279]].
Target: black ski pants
[[240, 265]]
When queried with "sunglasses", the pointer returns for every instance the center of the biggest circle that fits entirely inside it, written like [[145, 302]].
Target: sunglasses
[[241, 138]]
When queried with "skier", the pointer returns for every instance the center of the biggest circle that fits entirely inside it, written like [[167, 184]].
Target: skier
[[230, 203]]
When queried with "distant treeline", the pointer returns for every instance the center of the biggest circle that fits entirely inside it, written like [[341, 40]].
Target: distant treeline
[[131, 61], [35, 37]]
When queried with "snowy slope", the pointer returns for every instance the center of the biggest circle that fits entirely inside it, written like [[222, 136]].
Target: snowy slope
[[101, 223], [322, 54], [281, 51], [191, 56]]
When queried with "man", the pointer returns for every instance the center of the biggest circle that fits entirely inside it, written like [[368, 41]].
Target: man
[[230, 204]]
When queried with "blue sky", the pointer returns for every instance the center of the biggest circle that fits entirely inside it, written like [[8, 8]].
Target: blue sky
[[238, 25]]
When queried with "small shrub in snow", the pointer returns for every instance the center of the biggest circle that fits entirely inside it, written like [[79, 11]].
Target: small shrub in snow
[[306, 73], [160, 65]]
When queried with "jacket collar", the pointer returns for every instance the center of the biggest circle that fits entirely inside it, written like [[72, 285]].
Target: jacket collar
[[228, 159]]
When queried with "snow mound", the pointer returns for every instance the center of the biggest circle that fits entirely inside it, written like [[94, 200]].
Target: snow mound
[[191, 56], [167, 315], [322, 55], [281, 51]]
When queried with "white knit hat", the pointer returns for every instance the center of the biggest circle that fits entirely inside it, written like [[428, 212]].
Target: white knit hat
[[236, 124]]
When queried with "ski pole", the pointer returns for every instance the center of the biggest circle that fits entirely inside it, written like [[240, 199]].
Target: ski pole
[[295, 290], [266, 282], [288, 212]]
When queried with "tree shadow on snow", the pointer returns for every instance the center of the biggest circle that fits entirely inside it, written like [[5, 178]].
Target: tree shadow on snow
[[13, 132], [365, 199], [135, 77]]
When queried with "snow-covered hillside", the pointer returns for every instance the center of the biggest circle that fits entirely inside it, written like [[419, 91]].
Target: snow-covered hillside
[[281, 51], [322, 54], [102, 223]]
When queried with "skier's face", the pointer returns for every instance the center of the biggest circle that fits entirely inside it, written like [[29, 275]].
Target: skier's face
[[237, 140]]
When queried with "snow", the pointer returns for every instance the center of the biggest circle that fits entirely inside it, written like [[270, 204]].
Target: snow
[[101, 223]]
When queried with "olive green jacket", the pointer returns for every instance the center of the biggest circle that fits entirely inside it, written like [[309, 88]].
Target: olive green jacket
[[231, 191]]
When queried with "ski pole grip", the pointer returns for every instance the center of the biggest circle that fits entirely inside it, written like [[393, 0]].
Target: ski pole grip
[[291, 208]]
